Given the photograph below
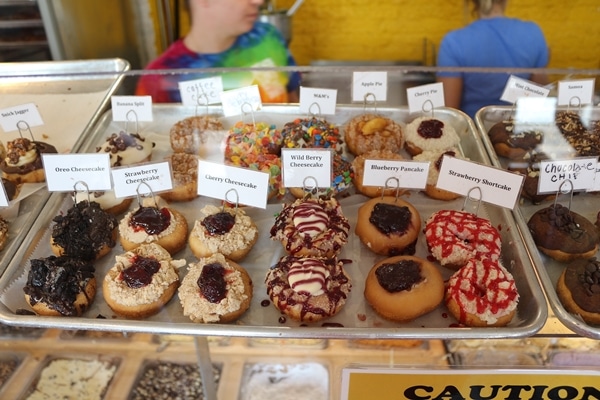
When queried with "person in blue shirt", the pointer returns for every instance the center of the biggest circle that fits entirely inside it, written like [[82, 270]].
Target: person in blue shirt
[[491, 41]]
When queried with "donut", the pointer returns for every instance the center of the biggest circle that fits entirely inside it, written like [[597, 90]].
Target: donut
[[403, 288], [60, 286], [11, 189], [229, 231], [152, 224], [530, 169], [454, 237], [582, 137], [3, 233], [312, 133], [341, 179], [85, 231], [107, 200], [257, 147], [388, 226], [563, 234], [215, 290], [141, 281], [368, 132], [578, 289], [184, 168], [312, 227], [514, 141], [23, 160], [189, 135], [425, 133], [482, 293], [126, 149], [308, 289], [358, 169], [435, 158]]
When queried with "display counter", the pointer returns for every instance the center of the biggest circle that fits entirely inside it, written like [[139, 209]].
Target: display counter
[[263, 345]]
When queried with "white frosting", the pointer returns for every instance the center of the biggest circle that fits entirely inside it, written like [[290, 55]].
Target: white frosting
[[448, 139], [308, 275], [27, 158], [310, 218]]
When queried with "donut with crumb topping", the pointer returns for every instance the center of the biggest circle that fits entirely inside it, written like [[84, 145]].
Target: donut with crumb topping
[[141, 281], [85, 231], [308, 289], [23, 160], [313, 227], [60, 286], [184, 168], [403, 288], [214, 290], [369, 132], [190, 135]]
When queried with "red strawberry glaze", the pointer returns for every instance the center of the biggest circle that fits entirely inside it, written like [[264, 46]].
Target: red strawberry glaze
[[454, 237], [484, 288]]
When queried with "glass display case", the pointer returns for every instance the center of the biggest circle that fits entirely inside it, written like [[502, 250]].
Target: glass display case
[[265, 350]]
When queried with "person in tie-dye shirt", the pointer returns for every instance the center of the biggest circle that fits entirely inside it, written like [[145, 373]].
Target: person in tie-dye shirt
[[225, 34]]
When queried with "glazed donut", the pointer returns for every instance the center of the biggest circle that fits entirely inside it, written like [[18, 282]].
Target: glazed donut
[[368, 132], [358, 169], [86, 231], [141, 281], [308, 289], [190, 134], [150, 224], [435, 159], [184, 168], [229, 231], [312, 133], [578, 289], [388, 226], [313, 227], [60, 286], [341, 179], [425, 133], [563, 234], [482, 293], [512, 141], [215, 290], [23, 161], [403, 288], [454, 237]]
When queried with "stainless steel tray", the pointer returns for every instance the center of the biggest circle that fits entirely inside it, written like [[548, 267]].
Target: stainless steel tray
[[356, 320], [53, 88], [548, 270]]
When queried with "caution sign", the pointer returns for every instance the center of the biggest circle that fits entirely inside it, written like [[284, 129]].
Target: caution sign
[[524, 384]]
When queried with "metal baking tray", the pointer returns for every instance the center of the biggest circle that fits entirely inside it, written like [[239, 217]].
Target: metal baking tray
[[46, 84], [356, 320], [586, 204]]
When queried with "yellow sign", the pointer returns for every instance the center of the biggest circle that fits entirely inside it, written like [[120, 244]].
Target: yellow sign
[[414, 384]]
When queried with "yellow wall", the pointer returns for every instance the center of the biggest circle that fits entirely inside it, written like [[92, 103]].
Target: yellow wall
[[397, 29]]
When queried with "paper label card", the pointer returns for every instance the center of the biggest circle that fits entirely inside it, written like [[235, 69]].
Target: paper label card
[[240, 101], [65, 172], [576, 92], [391, 174], [425, 98], [20, 117], [198, 92], [141, 179], [369, 86], [497, 186], [580, 171], [131, 108], [233, 184], [517, 88], [3, 196], [317, 101], [596, 187], [306, 168]]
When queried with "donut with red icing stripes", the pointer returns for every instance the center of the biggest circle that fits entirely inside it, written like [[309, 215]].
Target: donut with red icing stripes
[[454, 237], [482, 293]]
